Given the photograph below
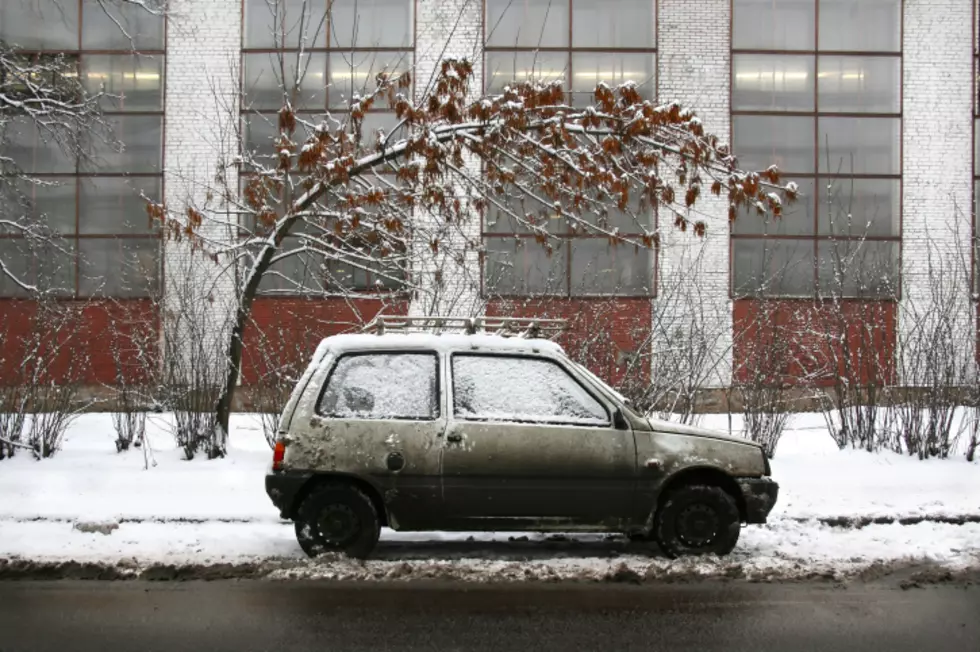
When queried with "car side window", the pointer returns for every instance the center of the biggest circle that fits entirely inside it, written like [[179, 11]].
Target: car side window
[[510, 388], [382, 386]]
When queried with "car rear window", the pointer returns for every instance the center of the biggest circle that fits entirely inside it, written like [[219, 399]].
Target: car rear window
[[382, 386]]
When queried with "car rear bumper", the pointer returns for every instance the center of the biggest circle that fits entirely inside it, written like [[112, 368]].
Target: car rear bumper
[[760, 496], [283, 487]]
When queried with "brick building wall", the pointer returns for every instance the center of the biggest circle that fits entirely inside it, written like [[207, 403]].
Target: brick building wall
[[694, 66], [937, 153]]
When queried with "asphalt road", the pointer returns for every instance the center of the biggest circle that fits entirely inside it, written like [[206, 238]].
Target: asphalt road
[[300, 616]]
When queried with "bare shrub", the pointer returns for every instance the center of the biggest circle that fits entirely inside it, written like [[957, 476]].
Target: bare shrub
[[194, 367], [761, 382], [133, 347], [280, 357]]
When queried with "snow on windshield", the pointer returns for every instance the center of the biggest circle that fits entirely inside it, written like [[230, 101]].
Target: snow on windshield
[[383, 386], [499, 388]]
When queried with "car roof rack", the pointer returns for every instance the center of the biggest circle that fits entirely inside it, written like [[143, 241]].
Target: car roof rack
[[528, 327]]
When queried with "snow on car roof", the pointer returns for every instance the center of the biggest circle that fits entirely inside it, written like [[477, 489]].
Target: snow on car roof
[[444, 342]]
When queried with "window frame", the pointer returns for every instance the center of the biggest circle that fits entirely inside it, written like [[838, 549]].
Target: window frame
[[451, 399], [326, 50], [821, 179], [80, 173], [394, 351], [567, 240], [974, 163]]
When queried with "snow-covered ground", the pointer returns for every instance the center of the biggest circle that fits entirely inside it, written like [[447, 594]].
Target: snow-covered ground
[[217, 511]]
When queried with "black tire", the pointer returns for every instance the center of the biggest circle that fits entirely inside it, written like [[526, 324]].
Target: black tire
[[697, 520], [337, 517]]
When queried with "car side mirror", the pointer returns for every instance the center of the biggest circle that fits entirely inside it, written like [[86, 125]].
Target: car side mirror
[[619, 420]]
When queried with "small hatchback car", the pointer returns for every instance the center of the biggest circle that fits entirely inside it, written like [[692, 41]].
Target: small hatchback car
[[489, 433]]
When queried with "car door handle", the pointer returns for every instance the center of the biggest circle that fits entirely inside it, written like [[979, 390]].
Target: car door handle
[[454, 437]]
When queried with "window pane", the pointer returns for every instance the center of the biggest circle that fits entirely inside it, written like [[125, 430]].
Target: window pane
[[766, 82], [522, 266], [259, 135], [285, 24], [588, 69], [118, 267], [860, 207], [854, 268], [356, 72], [600, 267], [613, 24], [34, 150], [296, 274], [140, 136], [376, 23], [51, 203], [528, 212], [773, 267], [504, 68], [39, 24], [383, 386], [773, 24], [134, 82], [976, 145], [527, 23], [48, 266], [861, 25], [761, 141], [797, 217], [263, 79], [859, 84], [101, 21], [112, 205], [496, 388], [859, 145]]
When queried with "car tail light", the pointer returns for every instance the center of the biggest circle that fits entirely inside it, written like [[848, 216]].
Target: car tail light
[[278, 454]]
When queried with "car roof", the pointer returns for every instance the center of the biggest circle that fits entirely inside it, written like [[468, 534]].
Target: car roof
[[441, 342]]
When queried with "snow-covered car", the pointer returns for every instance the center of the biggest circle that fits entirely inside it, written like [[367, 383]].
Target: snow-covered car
[[488, 433]]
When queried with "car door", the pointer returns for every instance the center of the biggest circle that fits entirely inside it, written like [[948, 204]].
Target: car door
[[380, 416], [529, 445]]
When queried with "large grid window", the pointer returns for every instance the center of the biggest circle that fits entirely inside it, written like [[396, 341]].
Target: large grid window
[[816, 91], [319, 54], [582, 42], [93, 203]]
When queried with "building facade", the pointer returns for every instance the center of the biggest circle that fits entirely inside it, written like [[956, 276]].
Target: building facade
[[868, 105]]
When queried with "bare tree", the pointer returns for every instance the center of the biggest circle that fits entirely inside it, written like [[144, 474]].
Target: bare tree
[[349, 194]]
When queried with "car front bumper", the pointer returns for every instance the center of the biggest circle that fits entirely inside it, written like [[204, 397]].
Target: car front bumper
[[760, 496], [283, 488]]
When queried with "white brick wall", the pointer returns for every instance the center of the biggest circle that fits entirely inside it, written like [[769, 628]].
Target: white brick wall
[[937, 151], [203, 50], [694, 63], [449, 278]]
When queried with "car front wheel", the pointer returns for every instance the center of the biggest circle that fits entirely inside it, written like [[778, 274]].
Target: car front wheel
[[697, 520], [337, 518]]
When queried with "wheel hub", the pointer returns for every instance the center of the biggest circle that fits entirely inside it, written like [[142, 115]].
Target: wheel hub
[[698, 525], [338, 524]]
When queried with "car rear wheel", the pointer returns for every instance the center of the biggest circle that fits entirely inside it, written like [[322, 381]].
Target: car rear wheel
[[697, 520], [337, 518]]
